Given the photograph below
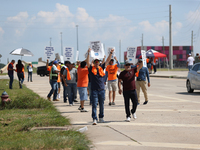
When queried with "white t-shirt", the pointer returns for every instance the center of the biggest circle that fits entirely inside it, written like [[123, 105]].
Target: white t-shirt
[[190, 61]]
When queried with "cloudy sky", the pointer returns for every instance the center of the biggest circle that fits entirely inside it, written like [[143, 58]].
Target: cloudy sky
[[30, 24]]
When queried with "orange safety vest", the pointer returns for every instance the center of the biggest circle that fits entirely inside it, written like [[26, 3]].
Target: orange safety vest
[[11, 64], [101, 72], [68, 74]]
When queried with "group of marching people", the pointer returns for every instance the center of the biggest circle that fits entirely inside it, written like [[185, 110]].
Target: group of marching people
[[91, 74]]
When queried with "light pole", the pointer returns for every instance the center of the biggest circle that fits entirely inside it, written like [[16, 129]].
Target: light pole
[[77, 39], [50, 41], [61, 44]]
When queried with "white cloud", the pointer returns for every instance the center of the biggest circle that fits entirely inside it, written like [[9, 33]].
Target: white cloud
[[193, 17], [1, 31], [19, 17]]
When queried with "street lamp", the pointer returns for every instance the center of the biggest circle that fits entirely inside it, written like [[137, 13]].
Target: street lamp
[[61, 44], [77, 39]]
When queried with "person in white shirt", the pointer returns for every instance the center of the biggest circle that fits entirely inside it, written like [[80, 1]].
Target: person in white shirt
[[190, 62]]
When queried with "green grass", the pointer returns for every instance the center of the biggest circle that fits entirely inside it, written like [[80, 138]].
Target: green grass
[[28, 110]]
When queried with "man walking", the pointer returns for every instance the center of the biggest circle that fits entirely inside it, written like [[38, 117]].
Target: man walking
[[97, 86], [30, 71], [141, 83], [190, 62], [71, 85], [11, 73], [111, 74], [129, 92], [82, 83], [53, 81]]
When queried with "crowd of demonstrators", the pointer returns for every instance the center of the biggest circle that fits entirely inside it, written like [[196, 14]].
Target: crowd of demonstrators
[[11, 73], [97, 85], [71, 85], [20, 72], [141, 75], [197, 58], [111, 74], [190, 62], [30, 71], [127, 77]]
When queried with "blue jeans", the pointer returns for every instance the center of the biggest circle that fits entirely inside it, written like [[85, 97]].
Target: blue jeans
[[64, 93], [127, 96], [189, 67], [30, 75], [71, 91], [89, 88], [98, 96], [11, 81], [21, 79], [54, 89]]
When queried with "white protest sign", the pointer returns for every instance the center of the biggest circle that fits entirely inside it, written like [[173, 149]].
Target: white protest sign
[[69, 54], [57, 57], [49, 53], [97, 48], [143, 53], [91, 54], [131, 54], [109, 49]]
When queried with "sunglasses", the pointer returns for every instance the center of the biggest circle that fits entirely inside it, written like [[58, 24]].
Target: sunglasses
[[96, 61], [127, 64]]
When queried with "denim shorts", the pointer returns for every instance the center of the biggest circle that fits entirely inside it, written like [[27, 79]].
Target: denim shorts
[[83, 93]]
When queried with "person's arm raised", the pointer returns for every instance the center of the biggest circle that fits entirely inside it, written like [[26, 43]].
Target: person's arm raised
[[109, 57], [88, 58]]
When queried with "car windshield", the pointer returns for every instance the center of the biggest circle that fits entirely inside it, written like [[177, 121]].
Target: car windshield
[[196, 67]]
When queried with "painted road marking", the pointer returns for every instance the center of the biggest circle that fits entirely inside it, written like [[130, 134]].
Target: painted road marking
[[150, 144]]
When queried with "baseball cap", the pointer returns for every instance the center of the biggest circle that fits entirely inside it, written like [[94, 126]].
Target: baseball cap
[[112, 60], [140, 60], [55, 62], [189, 54], [127, 62]]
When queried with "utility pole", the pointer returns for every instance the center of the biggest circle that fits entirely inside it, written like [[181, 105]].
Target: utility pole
[[192, 43], [50, 41], [61, 45], [170, 39], [163, 47], [77, 39], [119, 51], [142, 43]]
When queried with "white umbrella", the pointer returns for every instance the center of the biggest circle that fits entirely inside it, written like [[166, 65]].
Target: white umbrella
[[21, 52]]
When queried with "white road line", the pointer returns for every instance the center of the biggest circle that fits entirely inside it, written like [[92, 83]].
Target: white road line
[[151, 144], [142, 124]]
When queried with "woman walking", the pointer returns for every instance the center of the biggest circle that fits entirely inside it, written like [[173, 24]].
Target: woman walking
[[20, 72]]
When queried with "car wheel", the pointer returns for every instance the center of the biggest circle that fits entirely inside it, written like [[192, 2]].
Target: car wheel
[[189, 89], [41, 75]]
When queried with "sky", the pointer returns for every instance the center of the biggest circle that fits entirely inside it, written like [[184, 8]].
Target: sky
[[35, 24]]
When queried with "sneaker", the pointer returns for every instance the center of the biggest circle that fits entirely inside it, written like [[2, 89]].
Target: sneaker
[[134, 116], [138, 103], [49, 98], [109, 103], [101, 120], [145, 102], [94, 122], [79, 108], [55, 100], [113, 103], [58, 96], [70, 104], [75, 101], [83, 110], [128, 119]]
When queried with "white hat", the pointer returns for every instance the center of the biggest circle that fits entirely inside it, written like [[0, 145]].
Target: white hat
[[189, 54]]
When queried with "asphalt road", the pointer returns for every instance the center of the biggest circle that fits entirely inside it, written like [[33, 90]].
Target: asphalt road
[[170, 121]]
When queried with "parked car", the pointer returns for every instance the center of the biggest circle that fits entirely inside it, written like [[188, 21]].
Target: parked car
[[42, 70], [193, 78]]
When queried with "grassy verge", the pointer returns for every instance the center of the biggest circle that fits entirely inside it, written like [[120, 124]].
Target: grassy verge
[[28, 110]]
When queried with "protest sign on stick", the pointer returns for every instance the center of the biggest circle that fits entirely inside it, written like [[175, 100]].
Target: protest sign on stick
[[69, 54], [49, 53], [131, 54], [109, 49], [97, 48], [143, 53]]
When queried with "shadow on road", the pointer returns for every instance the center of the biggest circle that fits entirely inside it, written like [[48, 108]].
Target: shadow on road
[[186, 93]]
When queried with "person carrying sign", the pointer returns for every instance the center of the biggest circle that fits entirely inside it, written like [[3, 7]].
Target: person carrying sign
[[30, 70], [129, 88], [111, 74], [97, 85]]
